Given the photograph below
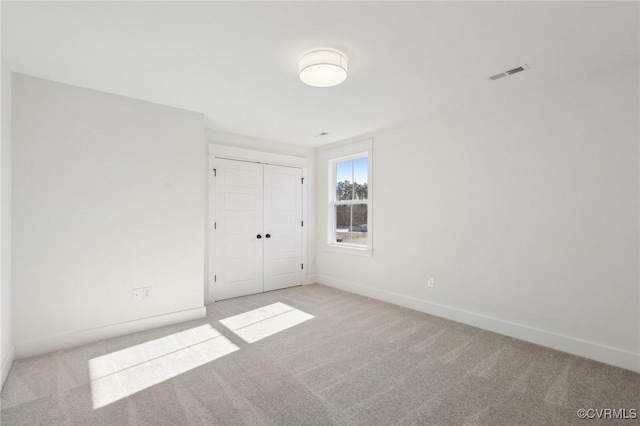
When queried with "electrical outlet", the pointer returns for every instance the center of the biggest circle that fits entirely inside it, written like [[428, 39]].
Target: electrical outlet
[[136, 294], [431, 282], [146, 292]]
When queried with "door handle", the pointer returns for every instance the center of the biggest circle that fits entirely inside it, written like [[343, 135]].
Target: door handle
[[259, 236], [268, 235]]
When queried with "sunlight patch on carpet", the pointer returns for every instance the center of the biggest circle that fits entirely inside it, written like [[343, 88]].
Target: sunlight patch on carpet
[[259, 323], [123, 373]]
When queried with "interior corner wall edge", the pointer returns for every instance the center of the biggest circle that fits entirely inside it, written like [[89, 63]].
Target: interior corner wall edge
[[524, 209], [7, 362], [6, 341], [108, 196]]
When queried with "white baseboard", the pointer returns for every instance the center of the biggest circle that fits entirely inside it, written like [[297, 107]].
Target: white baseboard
[[7, 362], [47, 344], [594, 351], [307, 279]]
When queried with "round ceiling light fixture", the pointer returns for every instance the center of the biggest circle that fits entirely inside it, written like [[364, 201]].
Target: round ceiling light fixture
[[322, 67]]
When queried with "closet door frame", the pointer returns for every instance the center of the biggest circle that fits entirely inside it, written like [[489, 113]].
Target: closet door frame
[[241, 154]]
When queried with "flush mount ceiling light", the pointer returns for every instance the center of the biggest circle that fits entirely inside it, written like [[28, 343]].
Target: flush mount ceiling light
[[323, 67]]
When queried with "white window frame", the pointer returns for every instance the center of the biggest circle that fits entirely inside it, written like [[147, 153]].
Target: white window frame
[[334, 156]]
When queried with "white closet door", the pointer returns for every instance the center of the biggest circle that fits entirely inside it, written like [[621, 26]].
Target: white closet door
[[282, 227], [239, 217]]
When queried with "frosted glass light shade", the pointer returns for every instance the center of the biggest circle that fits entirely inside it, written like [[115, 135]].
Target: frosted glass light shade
[[323, 67]]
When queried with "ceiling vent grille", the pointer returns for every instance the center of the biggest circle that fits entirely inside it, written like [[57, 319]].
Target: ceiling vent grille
[[510, 72], [497, 76], [515, 70]]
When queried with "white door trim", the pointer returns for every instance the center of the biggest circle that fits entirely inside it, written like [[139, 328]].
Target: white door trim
[[233, 153], [242, 154]]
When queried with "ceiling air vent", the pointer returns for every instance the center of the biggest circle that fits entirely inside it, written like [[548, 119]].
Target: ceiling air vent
[[497, 76], [510, 72]]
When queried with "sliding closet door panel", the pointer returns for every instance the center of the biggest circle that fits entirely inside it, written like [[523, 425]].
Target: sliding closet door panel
[[239, 217], [283, 224]]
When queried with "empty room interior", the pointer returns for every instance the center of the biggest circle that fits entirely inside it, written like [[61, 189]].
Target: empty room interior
[[327, 213]]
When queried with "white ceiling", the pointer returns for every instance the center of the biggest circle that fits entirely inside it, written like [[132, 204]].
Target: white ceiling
[[236, 62]]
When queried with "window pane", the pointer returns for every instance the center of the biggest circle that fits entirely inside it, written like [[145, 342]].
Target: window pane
[[344, 180], [343, 223], [361, 178], [359, 225], [351, 224]]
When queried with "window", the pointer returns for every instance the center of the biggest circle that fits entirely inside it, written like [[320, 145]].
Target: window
[[350, 197]]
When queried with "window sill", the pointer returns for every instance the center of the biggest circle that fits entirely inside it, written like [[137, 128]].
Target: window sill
[[356, 251]]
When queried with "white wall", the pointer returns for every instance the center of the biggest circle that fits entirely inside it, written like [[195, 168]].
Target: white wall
[[257, 144], [6, 347], [108, 195], [272, 147], [525, 210]]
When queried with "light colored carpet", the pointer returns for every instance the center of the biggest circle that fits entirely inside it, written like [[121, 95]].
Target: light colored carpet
[[358, 361]]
